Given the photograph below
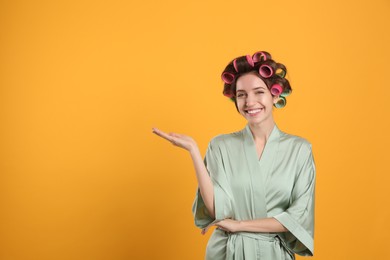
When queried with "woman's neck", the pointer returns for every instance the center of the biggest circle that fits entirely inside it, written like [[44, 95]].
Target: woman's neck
[[261, 132]]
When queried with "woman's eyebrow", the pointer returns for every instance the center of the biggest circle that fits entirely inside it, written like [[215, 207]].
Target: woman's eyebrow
[[259, 88], [241, 90]]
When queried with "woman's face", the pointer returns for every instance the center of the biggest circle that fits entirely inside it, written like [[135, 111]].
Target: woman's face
[[254, 100]]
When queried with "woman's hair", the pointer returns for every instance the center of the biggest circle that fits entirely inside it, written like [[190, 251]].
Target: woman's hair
[[261, 63]]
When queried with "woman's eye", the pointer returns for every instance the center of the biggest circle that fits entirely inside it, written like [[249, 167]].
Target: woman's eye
[[240, 95], [259, 92]]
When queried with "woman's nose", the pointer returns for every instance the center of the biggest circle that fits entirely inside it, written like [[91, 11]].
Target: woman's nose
[[249, 100]]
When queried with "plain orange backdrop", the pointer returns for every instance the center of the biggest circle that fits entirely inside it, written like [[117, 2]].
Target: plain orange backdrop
[[83, 82]]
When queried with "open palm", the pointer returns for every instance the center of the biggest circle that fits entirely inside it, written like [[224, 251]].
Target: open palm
[[179, 140]]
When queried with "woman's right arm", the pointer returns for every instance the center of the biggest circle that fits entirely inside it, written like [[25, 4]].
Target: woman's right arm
[[204, 181]]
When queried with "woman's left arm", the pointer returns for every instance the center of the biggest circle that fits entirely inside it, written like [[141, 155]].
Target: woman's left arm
[[264, 225], [298, 218]]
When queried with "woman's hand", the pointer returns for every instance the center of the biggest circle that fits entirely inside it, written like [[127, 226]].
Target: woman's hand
[[179, 140], [229, 225]]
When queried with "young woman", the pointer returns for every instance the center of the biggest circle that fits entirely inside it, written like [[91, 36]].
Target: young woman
[[256, 185]]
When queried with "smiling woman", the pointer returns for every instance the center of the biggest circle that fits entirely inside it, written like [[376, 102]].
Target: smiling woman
[[256, 185]]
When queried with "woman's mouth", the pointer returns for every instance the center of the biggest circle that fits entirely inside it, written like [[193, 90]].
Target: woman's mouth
[[253, 112]]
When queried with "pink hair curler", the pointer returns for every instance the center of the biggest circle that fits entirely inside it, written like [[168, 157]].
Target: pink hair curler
[[266, 71], [228, 77], [258, 56], [229, 95], [276, 89], [250, 60], [281, 102], [235, 65]]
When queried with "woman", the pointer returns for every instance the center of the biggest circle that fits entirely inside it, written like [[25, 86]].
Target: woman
[[256, 185]]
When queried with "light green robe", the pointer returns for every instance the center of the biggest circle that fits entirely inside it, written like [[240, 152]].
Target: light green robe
[[280, 185]]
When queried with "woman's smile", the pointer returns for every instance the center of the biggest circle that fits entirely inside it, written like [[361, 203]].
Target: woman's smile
[[253, 112]]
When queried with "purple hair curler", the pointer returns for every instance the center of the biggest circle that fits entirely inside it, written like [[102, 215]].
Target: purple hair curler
[[250, 60], [258, 56], [228, 77], [276, 89], [235, 65], [266, 71]]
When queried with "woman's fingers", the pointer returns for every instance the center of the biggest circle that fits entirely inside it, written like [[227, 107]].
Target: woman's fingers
[[179, 140], [171, 137], [173, 134], [162, 134]]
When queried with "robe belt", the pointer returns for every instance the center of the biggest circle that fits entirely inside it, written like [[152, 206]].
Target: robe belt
[[235, 243]]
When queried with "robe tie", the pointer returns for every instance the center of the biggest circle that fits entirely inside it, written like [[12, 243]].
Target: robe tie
[[235, 242]]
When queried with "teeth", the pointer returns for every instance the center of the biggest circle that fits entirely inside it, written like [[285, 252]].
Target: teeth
[[253, 111]]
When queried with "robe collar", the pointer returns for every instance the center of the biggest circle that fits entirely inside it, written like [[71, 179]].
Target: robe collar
[[261, 168], [270, 146]]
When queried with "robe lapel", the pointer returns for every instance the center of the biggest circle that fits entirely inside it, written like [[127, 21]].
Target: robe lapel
[[260, 169]]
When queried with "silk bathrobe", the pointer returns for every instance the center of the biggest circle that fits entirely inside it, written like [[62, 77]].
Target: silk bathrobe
[[280, 184]]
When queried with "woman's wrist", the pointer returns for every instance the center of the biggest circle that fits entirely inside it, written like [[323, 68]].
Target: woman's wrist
[[193, 149], [241, 226]]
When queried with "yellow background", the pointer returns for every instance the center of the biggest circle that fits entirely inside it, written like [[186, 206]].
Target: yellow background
[[83, 82]]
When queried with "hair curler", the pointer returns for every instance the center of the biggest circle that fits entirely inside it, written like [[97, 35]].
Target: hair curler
[[280, 72], [281, 102], [276, 90], [228, 77], [286, 92], [259, 56], [266, 71], [228, 94], [250, 60], [235, 65]]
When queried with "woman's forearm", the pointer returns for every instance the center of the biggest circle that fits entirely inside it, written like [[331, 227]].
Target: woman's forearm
[[267, 225], [264, 225], [204, 181]]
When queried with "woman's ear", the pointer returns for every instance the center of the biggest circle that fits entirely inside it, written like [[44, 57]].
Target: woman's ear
[[275, 99]]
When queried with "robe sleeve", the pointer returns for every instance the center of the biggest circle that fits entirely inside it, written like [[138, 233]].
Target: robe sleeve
[[222, 199], [299, 216]]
